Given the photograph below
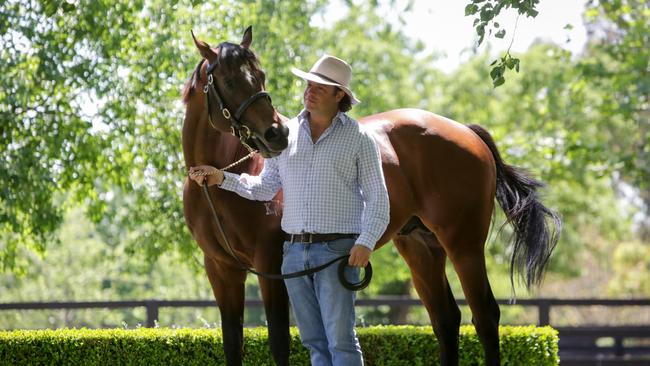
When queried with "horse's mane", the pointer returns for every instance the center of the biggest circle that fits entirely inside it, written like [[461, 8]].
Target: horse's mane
[[190, 85], [230, 56]]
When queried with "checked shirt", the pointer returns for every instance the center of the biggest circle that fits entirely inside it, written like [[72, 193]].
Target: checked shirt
[[335, 185]]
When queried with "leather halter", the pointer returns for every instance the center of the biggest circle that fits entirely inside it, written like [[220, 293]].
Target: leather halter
[[237, 128]]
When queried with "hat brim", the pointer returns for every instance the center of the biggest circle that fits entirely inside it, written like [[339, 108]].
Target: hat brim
[[320, 80]]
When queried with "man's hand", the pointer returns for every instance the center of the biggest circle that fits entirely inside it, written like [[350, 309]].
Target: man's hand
[[359, 256], [201, 172]]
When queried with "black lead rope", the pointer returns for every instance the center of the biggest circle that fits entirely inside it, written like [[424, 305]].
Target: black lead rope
[[342, 264]]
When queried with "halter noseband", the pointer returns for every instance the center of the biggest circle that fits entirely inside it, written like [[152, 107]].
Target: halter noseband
[[237, 128]]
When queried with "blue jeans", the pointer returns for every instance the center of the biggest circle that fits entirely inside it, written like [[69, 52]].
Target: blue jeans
[[323, 308]]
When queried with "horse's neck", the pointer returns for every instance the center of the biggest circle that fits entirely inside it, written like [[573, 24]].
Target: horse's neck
[[203, 145]]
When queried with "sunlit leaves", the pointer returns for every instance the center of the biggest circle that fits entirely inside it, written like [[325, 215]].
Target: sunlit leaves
[[499, 68], [487, 12], [617, 61], [90, 107]]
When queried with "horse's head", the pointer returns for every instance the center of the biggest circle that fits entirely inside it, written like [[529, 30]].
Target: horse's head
[[237, 100]]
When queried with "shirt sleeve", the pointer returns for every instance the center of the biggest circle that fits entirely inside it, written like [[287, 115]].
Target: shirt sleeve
[[261, 187], [373, 187]]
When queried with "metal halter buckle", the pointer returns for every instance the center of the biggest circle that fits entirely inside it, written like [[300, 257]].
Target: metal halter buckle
[[226, 113], [210, 81], [247, 133]]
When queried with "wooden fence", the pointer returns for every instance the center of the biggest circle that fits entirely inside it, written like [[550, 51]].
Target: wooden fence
[[579, 345]]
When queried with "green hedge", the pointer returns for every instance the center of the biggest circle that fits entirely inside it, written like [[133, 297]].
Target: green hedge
[[383, 345]]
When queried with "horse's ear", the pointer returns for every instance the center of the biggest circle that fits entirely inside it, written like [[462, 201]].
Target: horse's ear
[[248, 37], [204, 49]]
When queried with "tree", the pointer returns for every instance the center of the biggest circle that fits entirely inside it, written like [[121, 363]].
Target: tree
[[616, 62], [83, 266], [90, 109], [48, 141]]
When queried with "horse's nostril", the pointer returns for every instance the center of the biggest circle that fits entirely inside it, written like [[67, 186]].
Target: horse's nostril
[[276, 137], [275, 132], [271, 134]]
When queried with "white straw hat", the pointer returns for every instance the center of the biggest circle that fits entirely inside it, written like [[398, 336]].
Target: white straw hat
[[330, 70]]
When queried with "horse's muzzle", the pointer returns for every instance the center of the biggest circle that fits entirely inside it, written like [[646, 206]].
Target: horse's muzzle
[[276, 138]]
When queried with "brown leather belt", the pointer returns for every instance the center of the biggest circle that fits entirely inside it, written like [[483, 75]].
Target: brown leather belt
[[317, 238]]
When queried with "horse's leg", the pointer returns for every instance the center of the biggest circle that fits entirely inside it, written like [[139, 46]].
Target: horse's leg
[[228, 287], [426, 259], [276, 305], [464, 244]]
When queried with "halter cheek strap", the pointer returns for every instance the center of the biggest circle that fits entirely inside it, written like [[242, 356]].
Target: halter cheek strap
[[237, 128]]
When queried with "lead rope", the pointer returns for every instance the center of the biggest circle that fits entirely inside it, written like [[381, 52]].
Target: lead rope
[[342, 264]]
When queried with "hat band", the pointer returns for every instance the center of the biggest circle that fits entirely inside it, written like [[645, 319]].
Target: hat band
[[326, 78]]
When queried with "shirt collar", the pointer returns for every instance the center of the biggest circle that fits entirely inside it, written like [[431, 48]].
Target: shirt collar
[[302, 116]]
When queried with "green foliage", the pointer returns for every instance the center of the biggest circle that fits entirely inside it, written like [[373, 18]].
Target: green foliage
[[499, 70], [90, 110], [417, 346], [616, 62], [84, 267], [380, 345], [46, 143], [47, 139], [631, 262], [486, 12]]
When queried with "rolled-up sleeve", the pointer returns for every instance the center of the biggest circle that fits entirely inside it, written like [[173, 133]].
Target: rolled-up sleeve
[[261, 187], [373, 187]]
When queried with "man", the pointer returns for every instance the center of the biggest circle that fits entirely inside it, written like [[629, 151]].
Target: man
[[335, 203]]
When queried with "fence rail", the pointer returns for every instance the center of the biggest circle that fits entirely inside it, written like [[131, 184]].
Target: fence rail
[[578, 344], [152, 305]]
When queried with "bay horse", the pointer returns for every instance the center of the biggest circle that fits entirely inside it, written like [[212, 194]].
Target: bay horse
[[442, 178]]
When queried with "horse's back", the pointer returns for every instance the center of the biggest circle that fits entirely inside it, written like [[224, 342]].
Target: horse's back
[[418, 125], [442, 165]]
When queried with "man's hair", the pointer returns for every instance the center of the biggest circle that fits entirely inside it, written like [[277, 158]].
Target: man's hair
[[345, 104]]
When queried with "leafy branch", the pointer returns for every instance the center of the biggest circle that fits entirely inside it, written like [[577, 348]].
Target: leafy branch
[[486, 11]]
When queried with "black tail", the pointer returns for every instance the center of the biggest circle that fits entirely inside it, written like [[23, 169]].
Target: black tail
[[516, 192]]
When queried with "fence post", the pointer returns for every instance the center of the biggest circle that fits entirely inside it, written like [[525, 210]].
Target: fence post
[[152, 313], [619, 350], [544, 308]]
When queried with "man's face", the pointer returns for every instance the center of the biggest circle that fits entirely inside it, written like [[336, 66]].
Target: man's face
[[320, 97]]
